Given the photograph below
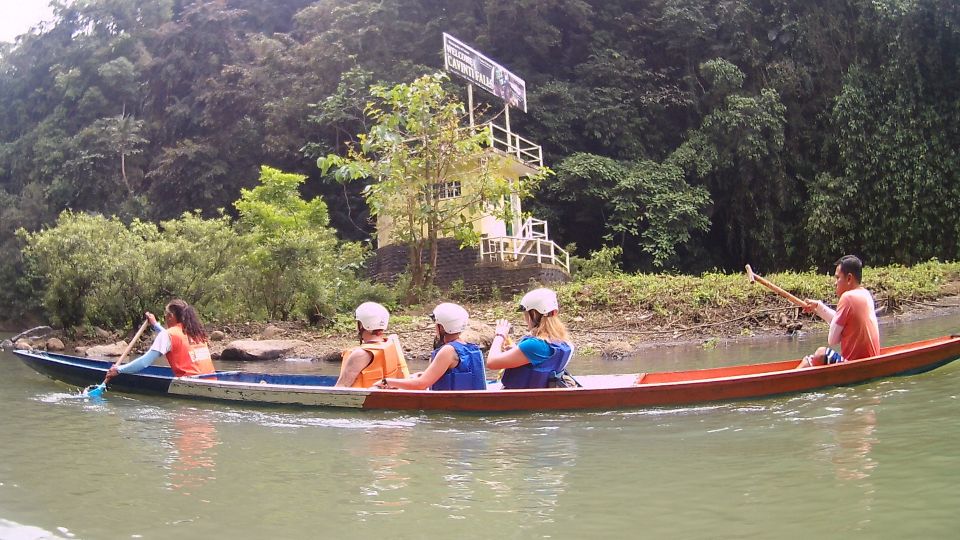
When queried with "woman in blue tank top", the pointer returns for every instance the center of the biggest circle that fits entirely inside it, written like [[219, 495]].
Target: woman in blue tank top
[[539, 357], [454, 364]]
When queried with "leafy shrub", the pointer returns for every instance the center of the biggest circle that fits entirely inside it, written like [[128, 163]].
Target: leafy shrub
[[86, 266], [603, 262], [292, 260], [281, 260]]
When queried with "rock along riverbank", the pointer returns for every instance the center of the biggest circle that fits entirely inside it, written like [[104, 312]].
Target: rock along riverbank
[[607, 333]]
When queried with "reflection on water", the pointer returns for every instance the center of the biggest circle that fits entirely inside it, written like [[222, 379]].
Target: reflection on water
[[458, 469], [508, 467], [192, 460], [853, 431], [384, 451], [850, 430]]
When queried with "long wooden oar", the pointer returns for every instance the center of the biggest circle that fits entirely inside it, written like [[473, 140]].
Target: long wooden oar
[[97, 390], [753, 277]]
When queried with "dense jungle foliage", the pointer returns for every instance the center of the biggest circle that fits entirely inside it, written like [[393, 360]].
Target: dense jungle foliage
[[690, 134]]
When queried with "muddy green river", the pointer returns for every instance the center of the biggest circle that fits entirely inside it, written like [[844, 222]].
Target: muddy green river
[[877, 460]]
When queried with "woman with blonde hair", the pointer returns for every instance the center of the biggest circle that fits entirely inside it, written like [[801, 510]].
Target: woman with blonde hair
[[541, 357]]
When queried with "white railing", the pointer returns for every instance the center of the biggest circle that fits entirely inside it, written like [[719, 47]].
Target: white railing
[[527, 152], [523, 251], [534, 228]]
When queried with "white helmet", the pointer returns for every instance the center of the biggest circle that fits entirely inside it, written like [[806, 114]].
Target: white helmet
[[452, 317], [373, 316], [541, 300]]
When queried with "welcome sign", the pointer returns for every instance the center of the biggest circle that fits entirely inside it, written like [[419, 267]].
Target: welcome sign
[[467, 62]]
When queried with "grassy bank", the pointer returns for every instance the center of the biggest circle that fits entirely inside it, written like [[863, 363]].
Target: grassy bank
[[614, 314], [689, 297]]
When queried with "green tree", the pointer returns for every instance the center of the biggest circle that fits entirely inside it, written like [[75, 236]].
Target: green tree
[[77, 260], [417, 148], [293, 259], [737, 154], [95, 270], [645, 205]]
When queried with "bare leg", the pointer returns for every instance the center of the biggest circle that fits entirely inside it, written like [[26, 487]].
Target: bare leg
[[818, 358]]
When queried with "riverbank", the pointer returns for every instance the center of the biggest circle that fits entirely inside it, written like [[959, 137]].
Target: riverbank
[[617, 314], [598, 333]]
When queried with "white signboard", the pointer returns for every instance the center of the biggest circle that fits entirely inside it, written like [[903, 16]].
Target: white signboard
[[467, 62]]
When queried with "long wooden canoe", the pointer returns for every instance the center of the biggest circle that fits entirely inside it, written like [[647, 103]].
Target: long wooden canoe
[[598, 391]]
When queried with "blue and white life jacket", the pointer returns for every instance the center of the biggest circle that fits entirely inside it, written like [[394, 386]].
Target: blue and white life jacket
[[469, 374], [530, 376]]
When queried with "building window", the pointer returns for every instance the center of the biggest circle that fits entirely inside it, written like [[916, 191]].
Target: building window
[[449, 190]]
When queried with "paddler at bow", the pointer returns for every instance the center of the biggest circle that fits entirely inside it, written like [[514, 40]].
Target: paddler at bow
[[183, 342]]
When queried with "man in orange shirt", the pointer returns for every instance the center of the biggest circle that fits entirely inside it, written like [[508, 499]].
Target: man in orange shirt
[[853, 326]]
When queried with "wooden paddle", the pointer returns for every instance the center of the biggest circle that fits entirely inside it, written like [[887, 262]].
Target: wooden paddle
[[753, 277], [97, 391]]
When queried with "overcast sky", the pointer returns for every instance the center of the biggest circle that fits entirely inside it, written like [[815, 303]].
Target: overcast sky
[[17, 16]]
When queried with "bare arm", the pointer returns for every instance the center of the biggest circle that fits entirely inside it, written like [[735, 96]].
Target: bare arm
[[498, 358], [445, 359], [353, 365]]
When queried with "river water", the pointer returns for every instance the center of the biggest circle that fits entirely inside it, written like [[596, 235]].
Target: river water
[[878, 460]]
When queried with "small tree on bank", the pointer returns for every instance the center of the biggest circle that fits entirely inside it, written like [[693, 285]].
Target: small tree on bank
[[416, 155], [294, 260]]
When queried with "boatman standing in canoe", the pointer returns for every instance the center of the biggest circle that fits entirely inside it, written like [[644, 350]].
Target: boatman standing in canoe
[[378, 355], [454, 364], [183, 342], [853, 326]]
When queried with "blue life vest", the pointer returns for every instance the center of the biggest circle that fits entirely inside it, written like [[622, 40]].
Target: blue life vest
[[469, 374], [530, 376]]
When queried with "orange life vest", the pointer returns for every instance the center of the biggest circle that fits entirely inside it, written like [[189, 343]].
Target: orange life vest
[[386, 362], [185, 356]]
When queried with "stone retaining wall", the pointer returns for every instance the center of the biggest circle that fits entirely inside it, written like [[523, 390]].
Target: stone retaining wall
[[455, 264]]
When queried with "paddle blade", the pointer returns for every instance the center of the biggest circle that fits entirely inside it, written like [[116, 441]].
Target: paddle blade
[[95, 391]]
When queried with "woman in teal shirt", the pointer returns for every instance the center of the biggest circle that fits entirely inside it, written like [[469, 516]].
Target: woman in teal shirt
[[539, 358]]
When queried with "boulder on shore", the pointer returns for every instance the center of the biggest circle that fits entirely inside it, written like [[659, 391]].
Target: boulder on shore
[[54, 344], [112, 349], [479, 333], [265, 349], [271, 332]]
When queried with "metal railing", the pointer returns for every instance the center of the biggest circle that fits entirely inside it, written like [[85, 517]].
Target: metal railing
[[527, 152], [523, 251]]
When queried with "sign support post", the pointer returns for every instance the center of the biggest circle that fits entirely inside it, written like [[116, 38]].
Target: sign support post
[[470, 103]]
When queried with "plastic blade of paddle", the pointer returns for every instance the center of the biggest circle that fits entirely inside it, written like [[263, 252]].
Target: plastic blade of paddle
[[95, 391]]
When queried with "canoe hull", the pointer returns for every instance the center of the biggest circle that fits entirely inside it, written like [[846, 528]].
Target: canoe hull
[[599, 392]]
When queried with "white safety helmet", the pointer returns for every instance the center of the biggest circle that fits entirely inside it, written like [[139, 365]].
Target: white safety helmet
[[373, 316], [452, 317], [542, 300]]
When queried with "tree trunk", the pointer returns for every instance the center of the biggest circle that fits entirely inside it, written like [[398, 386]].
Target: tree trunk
[[415, 267], [431, 269]]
